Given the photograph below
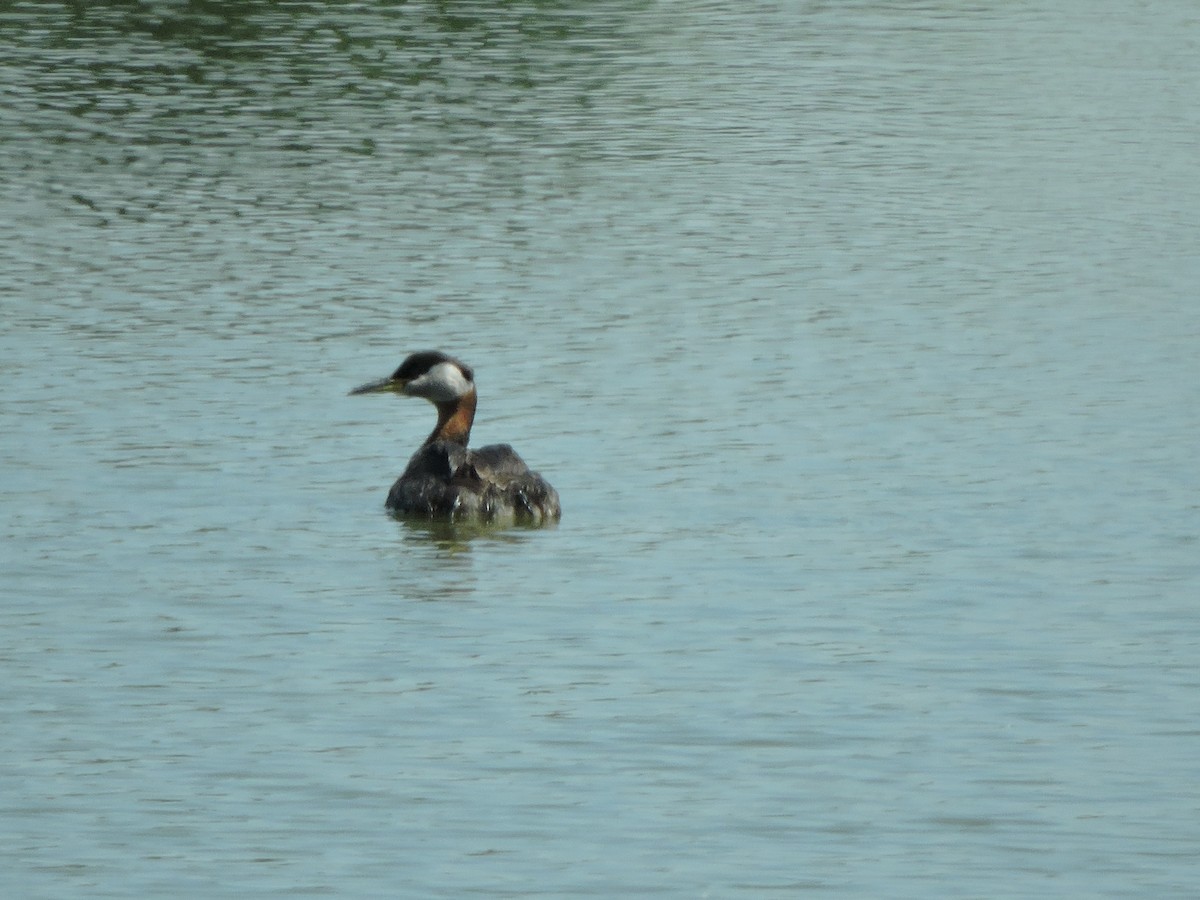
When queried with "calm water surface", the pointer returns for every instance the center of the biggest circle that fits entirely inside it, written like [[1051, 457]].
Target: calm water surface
[[860, 340]]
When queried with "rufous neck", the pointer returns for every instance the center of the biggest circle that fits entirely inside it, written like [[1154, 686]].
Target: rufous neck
[[454, 419]]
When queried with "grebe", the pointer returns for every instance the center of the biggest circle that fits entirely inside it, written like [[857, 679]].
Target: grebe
[[445, 480]]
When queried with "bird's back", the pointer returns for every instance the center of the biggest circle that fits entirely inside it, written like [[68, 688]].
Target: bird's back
[[446, 480]]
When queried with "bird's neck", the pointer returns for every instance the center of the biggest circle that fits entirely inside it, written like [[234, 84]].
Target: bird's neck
[[454, 420]]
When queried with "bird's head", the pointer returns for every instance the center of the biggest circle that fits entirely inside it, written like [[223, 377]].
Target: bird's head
[[430, 374]]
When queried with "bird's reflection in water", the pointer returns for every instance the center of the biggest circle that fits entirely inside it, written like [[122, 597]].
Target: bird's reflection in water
[[456, 537]]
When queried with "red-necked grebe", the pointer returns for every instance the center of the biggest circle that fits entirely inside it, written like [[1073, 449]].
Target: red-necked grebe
[[445, 480]]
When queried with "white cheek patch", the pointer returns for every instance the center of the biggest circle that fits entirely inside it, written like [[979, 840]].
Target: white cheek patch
[[444, 382]]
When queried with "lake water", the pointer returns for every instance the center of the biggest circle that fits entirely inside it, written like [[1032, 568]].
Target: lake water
[[859, 338]]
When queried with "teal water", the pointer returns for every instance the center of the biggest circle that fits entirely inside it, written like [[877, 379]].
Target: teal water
[[859, 340]]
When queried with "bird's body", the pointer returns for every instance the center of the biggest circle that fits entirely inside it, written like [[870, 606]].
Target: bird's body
[[444, 479]]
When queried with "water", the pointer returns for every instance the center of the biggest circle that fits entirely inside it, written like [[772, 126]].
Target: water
[[858, 338]]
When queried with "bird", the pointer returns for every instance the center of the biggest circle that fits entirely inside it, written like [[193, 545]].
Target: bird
[[444, 480]]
